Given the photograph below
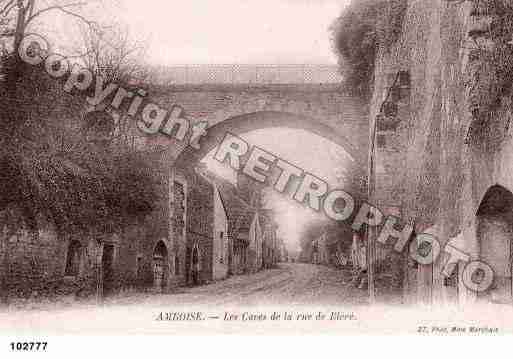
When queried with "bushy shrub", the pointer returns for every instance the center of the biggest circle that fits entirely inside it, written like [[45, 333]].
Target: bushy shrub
[[47, 167], [363, 27], [490, 73]]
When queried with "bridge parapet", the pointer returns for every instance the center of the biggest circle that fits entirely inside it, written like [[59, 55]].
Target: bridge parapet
[[326, 105], [323, 109], [247, 74]]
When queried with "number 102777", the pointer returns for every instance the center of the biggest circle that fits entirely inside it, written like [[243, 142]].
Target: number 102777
[[28, 346]]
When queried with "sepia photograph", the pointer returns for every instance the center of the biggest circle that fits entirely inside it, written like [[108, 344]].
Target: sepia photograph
[[243, 167]]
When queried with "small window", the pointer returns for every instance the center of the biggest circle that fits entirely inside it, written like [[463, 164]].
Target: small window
[[395, 94], [180, 204], [390, 109], [381, 141], [177, 265], [404, 78], [387, 123], [452, 280], [73, 259], [221, 247], [139, 266]]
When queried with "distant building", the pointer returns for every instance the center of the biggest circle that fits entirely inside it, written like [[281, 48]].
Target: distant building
[[254, 255], [243, 232], [207, 248], [270, 251], [221, 242], [283, 255], [358, 252], [199, 230], [320, 252], [221, 245]]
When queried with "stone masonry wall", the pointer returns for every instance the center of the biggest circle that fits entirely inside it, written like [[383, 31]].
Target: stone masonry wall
[[200, 224], [458, 139]]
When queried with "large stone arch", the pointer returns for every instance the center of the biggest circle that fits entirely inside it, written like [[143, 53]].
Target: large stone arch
[[247, 122], [324, 109]]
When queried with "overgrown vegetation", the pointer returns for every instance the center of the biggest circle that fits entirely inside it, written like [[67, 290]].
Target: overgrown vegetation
[[363, 27], [491, 70], [47, 166]]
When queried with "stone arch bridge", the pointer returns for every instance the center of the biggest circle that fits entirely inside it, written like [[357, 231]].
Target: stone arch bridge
[[292, 101]]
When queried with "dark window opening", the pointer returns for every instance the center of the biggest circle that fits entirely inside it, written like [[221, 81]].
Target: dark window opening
[[221, 249], [404, 78], [381, 141], [139, 267], [387, 123], [395, 94], [179, 194], [73, 259], [452, 280], [390, 109], [108, 269]]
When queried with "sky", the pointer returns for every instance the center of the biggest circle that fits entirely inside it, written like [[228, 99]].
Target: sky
[[224, 31], [236, 31], [309, 152]]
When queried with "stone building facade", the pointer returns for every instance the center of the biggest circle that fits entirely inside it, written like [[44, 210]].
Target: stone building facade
[[254, 250], [243, 231], [269, 239], [358, 253], [155, 253], [82, 262], [199, 230], [221, 245], [451, 142], [320, 251]]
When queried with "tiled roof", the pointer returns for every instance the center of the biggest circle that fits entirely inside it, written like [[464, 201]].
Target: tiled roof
[[238, 211]]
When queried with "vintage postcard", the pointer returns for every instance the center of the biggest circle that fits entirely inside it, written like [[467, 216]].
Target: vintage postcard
[[255, 167]]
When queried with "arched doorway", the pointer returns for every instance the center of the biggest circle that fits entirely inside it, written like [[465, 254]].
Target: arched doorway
[[495, 234], [160, 266], [73, 259], [195, 266], [108, 278]]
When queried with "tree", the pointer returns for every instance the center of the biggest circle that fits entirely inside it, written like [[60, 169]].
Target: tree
[[339, 234], [114, 54], [357, 34], [47, 168], [311, 232], [60, 167]]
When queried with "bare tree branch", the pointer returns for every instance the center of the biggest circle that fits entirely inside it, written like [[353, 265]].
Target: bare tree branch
[[63, 8], [113, 55], [7, 8], [31, 6]]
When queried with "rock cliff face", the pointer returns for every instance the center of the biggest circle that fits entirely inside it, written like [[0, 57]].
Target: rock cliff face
[[452, 143]]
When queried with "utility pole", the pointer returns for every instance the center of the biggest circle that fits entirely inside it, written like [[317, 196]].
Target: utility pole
[[371, 244]]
